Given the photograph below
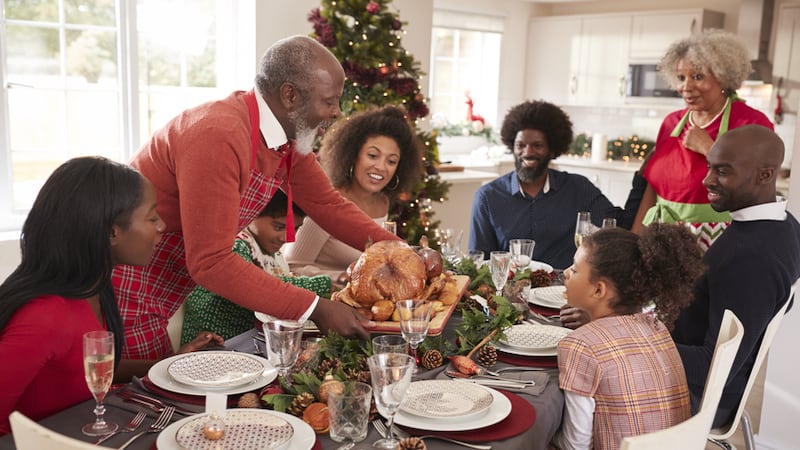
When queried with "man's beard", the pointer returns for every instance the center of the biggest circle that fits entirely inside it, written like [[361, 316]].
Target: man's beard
[[305, 135], [529, 175]]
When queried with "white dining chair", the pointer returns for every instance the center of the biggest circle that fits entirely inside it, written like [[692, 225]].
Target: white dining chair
[[718, 435], [692, 433], [29, 435]]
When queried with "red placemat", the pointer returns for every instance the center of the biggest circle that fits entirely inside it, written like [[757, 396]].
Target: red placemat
[[528, 361], [522, 417], [547, 312], [233, 400]]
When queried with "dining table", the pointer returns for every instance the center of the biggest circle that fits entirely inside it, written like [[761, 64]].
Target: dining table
[[547, 407]]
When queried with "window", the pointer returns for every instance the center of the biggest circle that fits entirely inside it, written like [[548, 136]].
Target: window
[[465, 57], [97, 77]]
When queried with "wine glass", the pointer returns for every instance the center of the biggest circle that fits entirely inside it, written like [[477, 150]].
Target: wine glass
[[521, 252], [415, 317], [499, 263], [98, 367], [583, 227], [609, 222], [283, 343], [391, 376], [450, 243]]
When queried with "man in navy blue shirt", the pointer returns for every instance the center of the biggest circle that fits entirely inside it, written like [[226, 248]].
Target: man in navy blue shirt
[[535, 202]]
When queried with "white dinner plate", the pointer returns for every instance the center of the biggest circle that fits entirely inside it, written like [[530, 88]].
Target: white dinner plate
[[159, 375], [446, 399], [308, 325], [302, 439], [244, 428], [534, 337], [534, 265], [516, 351], [216, 369], [549, 296], [500, 409]]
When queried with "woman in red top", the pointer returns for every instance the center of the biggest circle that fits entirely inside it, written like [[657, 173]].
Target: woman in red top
[[90, 215]]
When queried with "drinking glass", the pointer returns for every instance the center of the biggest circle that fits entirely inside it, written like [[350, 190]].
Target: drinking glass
[[348, 406], [609, 222], [389, 343], [390, 226], [499, 263], [415, 317], [450, 242], [391, 376], [476, 256], [521, 252], [583, 227], [283, 343], [98, 367]]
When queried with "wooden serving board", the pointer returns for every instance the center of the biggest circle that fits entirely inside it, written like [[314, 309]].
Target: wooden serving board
[[437, 322]]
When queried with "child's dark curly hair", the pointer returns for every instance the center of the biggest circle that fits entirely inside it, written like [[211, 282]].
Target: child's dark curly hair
[[538, 115], [661, 266], [342, 143]]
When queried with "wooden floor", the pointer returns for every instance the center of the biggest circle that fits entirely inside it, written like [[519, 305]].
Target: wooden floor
[[753, 408]]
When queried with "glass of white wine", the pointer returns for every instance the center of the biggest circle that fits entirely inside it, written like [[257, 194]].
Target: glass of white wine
[[98, 367], [583, 227]]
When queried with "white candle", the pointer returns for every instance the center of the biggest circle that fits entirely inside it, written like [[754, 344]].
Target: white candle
[[599, 147]]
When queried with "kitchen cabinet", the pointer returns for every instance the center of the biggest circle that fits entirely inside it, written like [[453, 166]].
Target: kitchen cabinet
[[653, 32], [787, 58], [613, 178], [578, 60]]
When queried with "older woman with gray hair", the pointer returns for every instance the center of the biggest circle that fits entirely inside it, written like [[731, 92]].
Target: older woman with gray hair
[[705, 69]]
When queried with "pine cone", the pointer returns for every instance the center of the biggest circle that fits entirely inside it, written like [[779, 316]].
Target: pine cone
[[327, 365], [470, 302], [411, 443], [299, 404], [491, 303], [487, 356], [432, 359], [540, 278], [249, 400]]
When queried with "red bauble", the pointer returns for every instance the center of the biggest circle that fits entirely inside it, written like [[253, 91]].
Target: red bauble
[[384, 70], [373, 7]]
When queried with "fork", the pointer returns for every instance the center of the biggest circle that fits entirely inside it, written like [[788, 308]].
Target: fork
[[158, 425], [402, 434], [151, 402], [131, 426]]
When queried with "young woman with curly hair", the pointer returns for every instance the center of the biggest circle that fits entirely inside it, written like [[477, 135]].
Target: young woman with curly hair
[[534, 201], [370, 157], [705, 69], [621, 373]]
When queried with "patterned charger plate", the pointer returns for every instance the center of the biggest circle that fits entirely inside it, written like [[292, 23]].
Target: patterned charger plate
[[243, 430], [216, 369], [534, 337], [446, 399], [549, 297]]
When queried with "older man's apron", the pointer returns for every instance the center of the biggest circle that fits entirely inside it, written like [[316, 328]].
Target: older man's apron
[[150, 295]]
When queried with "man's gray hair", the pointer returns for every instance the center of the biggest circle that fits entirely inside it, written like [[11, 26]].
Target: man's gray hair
[[288, 60]]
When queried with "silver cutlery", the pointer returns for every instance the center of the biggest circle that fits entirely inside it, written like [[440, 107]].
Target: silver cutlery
[[538, 319], [490, 382], [402, 434], [157, 426], [130, 427], [519, 369], [151, 402]]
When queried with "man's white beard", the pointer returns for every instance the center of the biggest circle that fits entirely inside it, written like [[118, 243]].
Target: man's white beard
[[305, 136]]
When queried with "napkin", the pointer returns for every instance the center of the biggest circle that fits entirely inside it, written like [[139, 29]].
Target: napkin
[[528, 361], [523, 417], [540, 378]]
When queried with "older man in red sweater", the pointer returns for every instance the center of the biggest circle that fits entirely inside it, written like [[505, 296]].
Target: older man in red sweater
[[214, 168]]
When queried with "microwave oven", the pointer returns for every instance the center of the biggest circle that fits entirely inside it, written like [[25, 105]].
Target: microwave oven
[[645, 81]]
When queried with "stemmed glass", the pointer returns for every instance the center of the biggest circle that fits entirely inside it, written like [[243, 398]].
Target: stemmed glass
[[521, 252], [583, 227], [415, 317], [98, 367], [450, 242], [499, 263], [391, 376], [283, 343]]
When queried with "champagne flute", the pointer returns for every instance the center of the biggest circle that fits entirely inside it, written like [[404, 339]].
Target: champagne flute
[[283, 343], [521, 252], [98, 367], [499, 263], [391, 377], [415, 317], [583, 227]]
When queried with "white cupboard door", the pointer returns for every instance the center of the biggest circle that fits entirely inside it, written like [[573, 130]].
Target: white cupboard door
[[653, 32], [604, 60], [553, 48], [787, 59]]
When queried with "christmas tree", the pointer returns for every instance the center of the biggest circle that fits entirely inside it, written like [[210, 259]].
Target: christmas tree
[[366, 37]]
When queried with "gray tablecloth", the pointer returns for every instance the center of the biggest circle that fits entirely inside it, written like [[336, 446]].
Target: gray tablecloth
[[549, 405]]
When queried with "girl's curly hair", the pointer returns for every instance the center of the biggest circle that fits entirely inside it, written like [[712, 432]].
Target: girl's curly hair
[[716, 51], [342, 144], [538, 115], [660, 266]]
